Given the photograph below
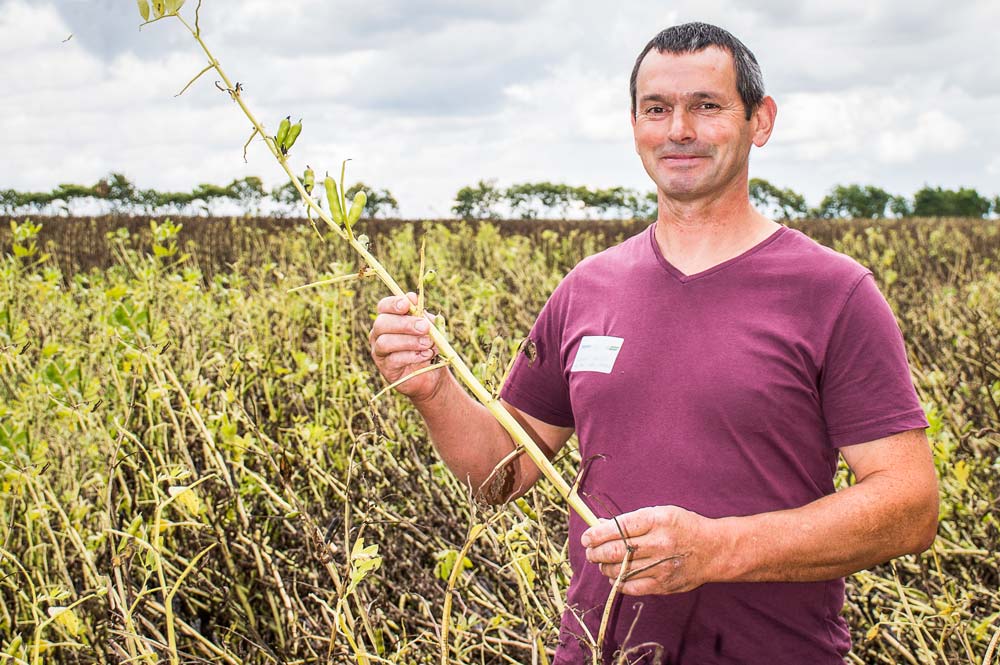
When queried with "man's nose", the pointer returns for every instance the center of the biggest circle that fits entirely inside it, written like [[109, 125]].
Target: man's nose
[[681, 129]]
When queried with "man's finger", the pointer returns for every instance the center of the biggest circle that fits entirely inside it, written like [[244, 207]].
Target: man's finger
[[633, 524], [396, 304], [387, 344], [409, 360], [394, 324], [612, 551]]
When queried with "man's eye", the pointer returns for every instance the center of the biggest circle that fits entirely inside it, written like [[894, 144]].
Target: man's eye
[[654, 110], [709, 106]]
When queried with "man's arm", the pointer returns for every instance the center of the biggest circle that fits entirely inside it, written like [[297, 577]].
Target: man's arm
[[471, 441], [466, 435], [892, 510]]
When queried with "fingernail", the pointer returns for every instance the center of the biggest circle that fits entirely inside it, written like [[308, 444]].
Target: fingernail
[[402, 305], [426, 354], [425, 341], [421, 325]]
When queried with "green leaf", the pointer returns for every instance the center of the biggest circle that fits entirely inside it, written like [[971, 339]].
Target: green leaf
[[143, 9], [446, 564], [20, 251], [161, 251]]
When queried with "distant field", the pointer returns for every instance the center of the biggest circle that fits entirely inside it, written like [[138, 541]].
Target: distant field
[[189, 454]]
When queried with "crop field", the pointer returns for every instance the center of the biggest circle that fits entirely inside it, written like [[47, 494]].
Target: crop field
[[197, 465]]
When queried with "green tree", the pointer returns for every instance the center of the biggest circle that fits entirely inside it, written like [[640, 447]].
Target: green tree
[[901, 206], [248, 192], [479, 202], [780, 203], [938, 202], [118, 191], [854, 202], [207, 194], [286, 197]]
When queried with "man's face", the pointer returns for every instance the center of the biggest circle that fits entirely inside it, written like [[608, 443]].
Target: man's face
[[690, 126]]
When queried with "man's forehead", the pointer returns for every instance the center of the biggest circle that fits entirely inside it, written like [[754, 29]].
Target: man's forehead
[[709, 70]]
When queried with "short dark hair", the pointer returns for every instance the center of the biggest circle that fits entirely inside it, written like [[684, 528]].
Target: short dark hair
[[694, 37]]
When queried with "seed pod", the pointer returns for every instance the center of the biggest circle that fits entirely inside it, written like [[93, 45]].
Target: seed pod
[[309, 180], [293, 133], [143, 9], [279, 138], [360, 199], [333, 200], [173, 6], [158, 8], [364, 241], [430, 276]]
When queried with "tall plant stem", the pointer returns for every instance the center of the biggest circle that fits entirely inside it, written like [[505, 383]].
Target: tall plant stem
[[445, 350]]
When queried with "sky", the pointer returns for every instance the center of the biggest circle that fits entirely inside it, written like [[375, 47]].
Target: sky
[[426, 96]]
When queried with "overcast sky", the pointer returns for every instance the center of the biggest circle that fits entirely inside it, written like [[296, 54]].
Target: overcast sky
[[429, 95]]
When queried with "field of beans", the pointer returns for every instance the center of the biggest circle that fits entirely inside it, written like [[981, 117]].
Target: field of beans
[[196, 465]]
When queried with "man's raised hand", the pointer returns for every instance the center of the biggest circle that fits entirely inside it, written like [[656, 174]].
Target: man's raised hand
[[400, 346]]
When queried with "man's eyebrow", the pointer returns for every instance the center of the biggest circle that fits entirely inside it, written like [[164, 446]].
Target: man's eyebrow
[[653, 98], [698, 94]]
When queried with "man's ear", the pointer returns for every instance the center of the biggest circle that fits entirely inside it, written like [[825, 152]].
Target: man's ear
[[631, 118], [763, 119]]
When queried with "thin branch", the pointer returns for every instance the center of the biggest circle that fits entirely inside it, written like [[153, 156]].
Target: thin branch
[[196, 77], [333, 280], [247, 144], [423, 370]]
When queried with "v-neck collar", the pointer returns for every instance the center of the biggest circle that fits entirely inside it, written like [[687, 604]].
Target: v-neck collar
[[684, 279]]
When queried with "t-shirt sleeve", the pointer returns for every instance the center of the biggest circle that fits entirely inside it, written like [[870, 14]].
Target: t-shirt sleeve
[[537, 384], [865, 386]]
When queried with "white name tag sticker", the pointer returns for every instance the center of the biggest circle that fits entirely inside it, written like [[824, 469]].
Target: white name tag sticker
[[597, 354]]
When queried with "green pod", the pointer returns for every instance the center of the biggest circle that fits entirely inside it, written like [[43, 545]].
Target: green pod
[[143, 9], [173, 6], [333, 200], [357, 206], [309, 180], [429, 276], [282, 135], [293, 134]]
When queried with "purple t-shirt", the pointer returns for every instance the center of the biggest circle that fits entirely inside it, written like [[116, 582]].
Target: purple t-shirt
[[726, 392]]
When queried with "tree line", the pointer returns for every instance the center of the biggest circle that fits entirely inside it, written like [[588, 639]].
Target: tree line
[[116, 194]]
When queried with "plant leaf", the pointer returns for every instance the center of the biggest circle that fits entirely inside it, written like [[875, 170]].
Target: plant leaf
[[143, 9]]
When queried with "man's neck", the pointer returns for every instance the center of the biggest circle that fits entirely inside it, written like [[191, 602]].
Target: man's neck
[[694, 237]]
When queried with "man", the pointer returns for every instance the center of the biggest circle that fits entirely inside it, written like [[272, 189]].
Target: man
[[713, 366]]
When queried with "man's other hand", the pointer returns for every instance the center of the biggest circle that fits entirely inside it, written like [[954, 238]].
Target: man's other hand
[[672, 549]]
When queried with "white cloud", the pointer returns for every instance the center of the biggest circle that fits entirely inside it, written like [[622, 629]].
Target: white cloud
[[934, 133]]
